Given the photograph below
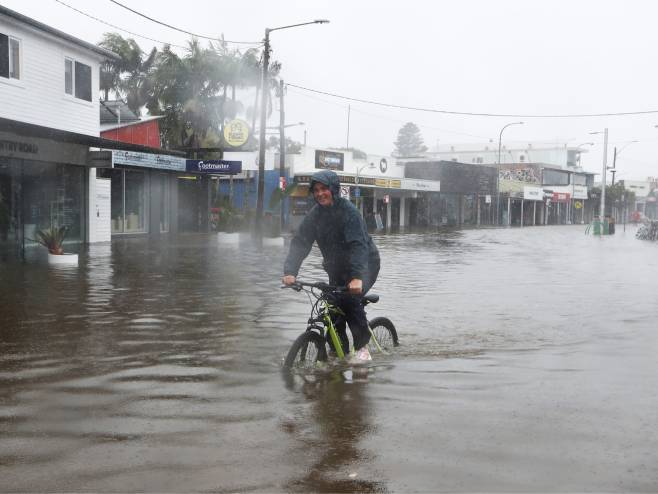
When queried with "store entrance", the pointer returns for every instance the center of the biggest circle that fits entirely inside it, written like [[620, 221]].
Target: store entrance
[[193, 206]]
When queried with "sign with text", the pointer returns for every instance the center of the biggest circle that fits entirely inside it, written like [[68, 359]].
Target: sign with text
[[219, 167], [146, 160], [533, 193], [329, 160], [236, 133]]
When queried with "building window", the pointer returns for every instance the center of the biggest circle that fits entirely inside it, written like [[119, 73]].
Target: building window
[[10, 57], [128, 200], [77, 79]]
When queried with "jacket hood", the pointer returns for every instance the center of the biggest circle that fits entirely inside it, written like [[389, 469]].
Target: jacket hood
[[328, 178]]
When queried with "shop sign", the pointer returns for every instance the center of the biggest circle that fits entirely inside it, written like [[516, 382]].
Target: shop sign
[[382, 182], [487, 199], [219, 167], [533, 193], [38, 149], [387, 199], [561, 197], [146, 160], [329, 160], [578, 204], [236, 133], [344, 191], [419, 184], [395, 184], [580, 192]]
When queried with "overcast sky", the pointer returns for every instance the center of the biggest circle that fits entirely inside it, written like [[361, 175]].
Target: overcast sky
[[481, 56]]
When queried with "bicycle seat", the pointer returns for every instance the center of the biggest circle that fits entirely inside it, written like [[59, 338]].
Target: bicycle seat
[[370, 299]]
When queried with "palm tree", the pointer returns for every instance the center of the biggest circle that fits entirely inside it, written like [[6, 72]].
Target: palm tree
[[128, 77]]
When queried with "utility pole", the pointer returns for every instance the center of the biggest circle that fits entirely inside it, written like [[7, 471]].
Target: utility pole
[[613, 170], [263, 123], [605, 171], [282, 153]]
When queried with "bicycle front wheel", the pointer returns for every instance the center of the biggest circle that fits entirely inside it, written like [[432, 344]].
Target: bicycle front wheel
[[385, 334], [307, 350]]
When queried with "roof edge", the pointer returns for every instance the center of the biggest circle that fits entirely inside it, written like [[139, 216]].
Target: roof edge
[[56, 32]]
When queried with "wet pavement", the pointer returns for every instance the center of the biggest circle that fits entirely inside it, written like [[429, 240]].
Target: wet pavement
[[528, 363]]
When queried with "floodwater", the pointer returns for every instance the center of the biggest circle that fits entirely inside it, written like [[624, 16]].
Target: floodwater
[[528, 363]]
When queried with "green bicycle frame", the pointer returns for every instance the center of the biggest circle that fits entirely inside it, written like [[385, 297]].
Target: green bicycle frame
[[329, 324]]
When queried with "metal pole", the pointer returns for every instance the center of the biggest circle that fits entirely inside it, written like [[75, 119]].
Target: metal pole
[[263, 123], [282, 153], [349, 109], [605, 169]]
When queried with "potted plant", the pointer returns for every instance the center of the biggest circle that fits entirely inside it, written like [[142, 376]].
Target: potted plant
[[53, 239], [227, 221]]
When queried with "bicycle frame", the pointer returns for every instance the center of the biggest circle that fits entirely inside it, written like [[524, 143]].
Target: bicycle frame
[[326, 312], [323, 309]]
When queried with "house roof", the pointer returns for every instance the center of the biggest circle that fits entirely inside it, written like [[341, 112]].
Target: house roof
[[112, 126], [56, 32], [115, 112]]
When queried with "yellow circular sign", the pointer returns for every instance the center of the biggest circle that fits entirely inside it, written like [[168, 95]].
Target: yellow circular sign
[[578, 204], [236, 133]]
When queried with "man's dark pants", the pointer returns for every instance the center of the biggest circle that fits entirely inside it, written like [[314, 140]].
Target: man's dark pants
[[355, 315]]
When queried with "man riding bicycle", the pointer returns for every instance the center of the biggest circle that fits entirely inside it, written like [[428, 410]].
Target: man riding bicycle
[[350, 257]]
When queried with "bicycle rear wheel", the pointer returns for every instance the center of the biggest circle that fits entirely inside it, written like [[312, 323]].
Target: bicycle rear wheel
[[385, 333], [308, 349]]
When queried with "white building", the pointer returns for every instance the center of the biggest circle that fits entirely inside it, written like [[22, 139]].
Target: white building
[[49, 86], [376, 184], [557, 155]]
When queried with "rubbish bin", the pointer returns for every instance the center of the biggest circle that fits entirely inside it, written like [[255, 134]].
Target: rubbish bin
[[605, 226], [596, 226]]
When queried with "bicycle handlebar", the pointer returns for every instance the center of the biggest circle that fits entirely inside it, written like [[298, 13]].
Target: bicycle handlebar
[[320, 285]]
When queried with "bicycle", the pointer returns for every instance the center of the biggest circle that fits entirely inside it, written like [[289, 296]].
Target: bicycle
[[310, 347]]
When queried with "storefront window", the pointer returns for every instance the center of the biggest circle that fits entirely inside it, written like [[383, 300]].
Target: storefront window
[[135, 190], [128, 200], [53, 196]]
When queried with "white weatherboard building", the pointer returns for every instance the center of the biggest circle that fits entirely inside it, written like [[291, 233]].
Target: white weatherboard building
[[48, 120]]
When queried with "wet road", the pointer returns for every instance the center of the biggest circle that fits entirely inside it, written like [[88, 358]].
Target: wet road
[[528, 363]]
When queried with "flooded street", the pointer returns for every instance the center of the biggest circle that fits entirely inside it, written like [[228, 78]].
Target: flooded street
[[527, 363]]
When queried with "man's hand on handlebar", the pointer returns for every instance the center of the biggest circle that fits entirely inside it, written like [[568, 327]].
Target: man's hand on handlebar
[[288, 280], [355, 287]]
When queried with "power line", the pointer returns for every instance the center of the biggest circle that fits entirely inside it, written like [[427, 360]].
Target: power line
[[215, 38], [382, 117], [119, 28], [471, 114]]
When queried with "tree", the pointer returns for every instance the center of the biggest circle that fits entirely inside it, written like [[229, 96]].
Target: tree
[[128, 77], [409, 141], [292, 147], [613, 196]]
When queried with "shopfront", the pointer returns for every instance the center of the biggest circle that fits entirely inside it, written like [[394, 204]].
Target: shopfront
[[144, 192], [42, 185]]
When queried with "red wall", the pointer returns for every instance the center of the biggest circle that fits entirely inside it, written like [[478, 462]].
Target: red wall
[[144, 133]]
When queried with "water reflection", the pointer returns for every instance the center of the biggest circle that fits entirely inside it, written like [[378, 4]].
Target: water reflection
[[336, 416]]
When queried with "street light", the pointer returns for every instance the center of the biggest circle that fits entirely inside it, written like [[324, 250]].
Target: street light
[[263, 122], [500, 139]]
